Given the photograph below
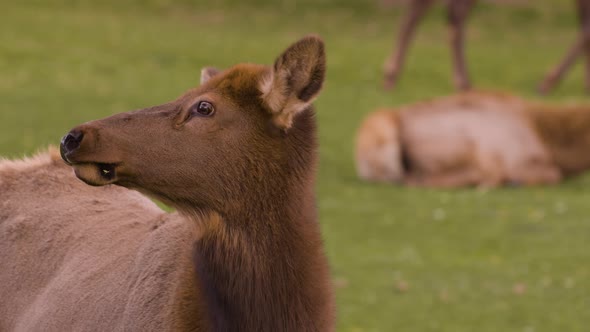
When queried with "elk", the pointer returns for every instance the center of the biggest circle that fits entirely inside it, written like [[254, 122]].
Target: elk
[[457, 12], [474, 139], [235, 156], [580, 47]]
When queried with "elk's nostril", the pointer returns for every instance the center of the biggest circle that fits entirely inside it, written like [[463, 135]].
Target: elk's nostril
[[72, 140]]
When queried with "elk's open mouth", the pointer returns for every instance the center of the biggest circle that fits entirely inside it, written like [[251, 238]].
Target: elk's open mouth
[[92, 172], [107, 170], [96, 174]]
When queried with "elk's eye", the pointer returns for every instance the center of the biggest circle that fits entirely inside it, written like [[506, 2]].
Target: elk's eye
[[204, 108]]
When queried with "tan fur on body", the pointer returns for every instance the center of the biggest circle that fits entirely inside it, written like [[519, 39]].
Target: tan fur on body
[[245, 253], [101, 259], [474, 138]]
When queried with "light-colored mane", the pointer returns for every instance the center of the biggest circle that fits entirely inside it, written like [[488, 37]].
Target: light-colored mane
[[8, 167]]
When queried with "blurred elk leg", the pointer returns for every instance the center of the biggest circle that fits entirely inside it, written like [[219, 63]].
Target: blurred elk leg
[[395, 62], [457, 14], [556, 74], [584, 16], [580, 45], [587, 60]]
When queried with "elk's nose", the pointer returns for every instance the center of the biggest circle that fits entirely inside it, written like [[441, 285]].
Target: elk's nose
[[71, 141]]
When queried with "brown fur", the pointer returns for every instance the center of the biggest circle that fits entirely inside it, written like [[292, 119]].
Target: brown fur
[[243, 182], [474, 138], [566, 133]]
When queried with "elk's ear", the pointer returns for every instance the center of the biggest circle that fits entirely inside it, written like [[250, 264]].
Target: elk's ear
[[207, 73], [295, 80]]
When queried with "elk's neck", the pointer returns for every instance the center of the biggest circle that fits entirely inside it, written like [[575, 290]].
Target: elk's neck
[[265, 272], [566, 133], [262, 267]]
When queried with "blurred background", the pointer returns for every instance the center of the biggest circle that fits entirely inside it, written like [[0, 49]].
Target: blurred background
[[403, 259]]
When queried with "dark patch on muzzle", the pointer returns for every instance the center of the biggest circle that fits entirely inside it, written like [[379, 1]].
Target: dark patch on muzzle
[[107, 171]]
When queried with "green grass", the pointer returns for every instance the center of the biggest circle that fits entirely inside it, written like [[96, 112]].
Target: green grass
[[403, 259]]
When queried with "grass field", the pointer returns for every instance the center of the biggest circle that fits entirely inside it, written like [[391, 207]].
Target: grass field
[[402, 259]]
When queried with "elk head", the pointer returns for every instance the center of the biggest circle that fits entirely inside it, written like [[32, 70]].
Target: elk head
[[219, 144]]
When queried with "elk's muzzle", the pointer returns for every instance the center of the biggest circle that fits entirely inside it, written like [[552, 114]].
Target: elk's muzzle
[[88, 165]]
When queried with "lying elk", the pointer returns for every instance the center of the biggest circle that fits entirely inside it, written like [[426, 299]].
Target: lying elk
[[474, 139], [457, 13], [235, 156]]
